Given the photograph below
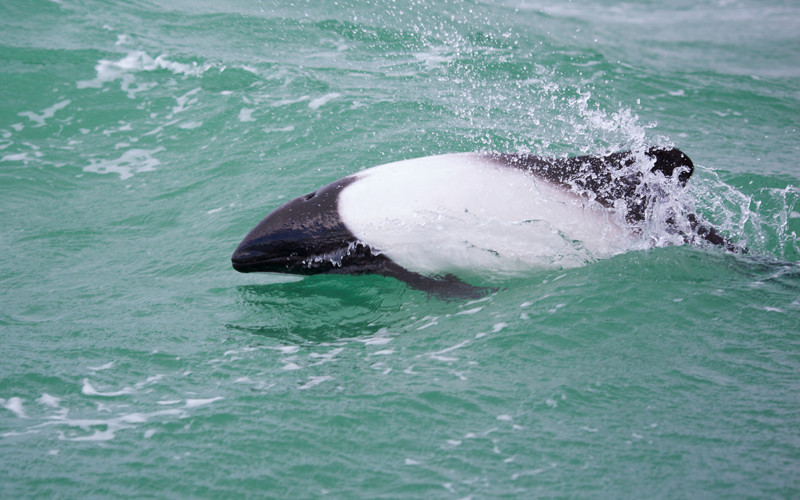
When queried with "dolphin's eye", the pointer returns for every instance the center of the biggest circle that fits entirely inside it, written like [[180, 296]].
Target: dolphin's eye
[[310, 195]]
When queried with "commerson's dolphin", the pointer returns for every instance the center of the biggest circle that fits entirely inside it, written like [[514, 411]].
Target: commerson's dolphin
[[431, 221]]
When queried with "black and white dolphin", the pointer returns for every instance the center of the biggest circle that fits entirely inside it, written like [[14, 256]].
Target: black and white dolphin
[[427, 220]]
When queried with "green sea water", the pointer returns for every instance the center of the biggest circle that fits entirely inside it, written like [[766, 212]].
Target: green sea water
[[140, 141]]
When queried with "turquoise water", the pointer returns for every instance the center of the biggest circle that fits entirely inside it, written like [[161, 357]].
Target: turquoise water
[[140, 142]]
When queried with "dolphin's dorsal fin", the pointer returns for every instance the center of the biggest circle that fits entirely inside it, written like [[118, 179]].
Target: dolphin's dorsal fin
[[604, 178]]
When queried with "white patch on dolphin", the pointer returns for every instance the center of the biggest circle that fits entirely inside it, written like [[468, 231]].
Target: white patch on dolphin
[[466, 213]]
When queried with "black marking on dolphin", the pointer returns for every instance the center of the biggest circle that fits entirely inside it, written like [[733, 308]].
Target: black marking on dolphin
[[605, 177], [308, 236]]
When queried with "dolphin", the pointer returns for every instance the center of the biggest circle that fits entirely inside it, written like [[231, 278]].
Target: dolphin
[[428, 221]]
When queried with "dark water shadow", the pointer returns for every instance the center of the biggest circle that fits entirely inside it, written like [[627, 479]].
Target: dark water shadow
[[328, 308]]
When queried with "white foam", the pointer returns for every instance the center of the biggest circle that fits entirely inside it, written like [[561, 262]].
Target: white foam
[[161, 127], [376, 340], [434, 57], [15, 157], [89, 390], [149, 380], [190, 125], [431, 321], [105, 430], [498, 327], [288, 128], [14, 405], [55, 403], [184, 101], [240, 350], [313, 381], [12, 433], [453, 348], [101, 367], [39, 119], [469, 311], [136, 61], [478, 301], [103, 407], [384, 352], [246, 115], [48, 400], [326, 357], [287, 102], [448, 359], [194, 403], [106, 435], [131, 162], [321, 101], [381, 366], [532, 472]]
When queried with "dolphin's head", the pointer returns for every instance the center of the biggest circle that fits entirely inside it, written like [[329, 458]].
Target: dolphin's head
[[304, 236], [668, 160]]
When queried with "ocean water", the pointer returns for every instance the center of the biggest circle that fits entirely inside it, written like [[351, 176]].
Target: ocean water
[[140, 141]]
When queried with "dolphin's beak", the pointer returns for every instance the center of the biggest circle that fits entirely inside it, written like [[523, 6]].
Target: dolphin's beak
[[293, 237]]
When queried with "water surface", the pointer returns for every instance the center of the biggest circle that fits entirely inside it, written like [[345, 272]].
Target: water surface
[[140, 141]]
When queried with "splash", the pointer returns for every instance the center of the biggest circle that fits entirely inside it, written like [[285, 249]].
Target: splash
[[765, 220], [501, 99]]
